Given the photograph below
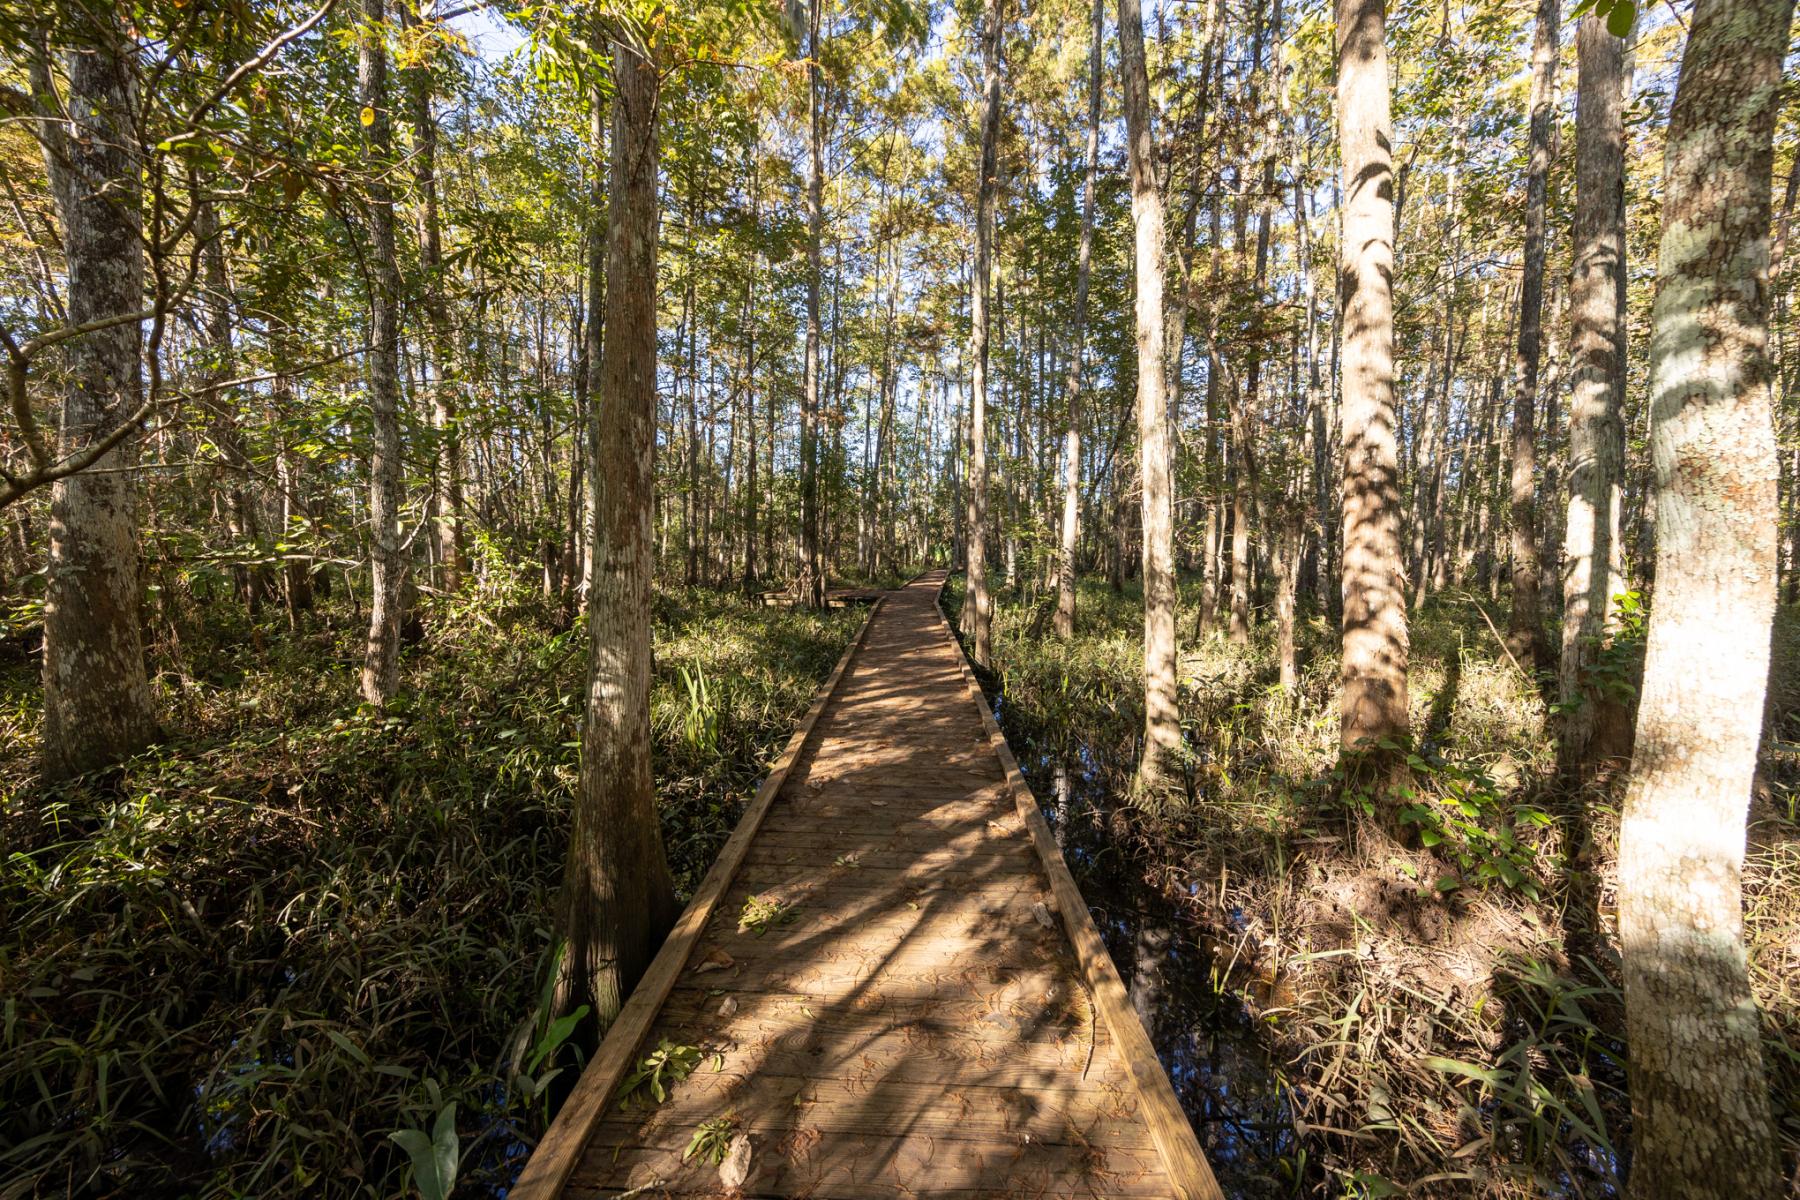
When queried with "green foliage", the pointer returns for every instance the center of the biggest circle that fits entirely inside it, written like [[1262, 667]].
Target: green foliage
[[434, 1156], [712, 1139], [237, 964], [763, 913], [1461, 814], [657, 1072]]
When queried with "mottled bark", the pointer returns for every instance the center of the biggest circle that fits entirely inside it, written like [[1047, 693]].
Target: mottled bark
[[594, 333], [1373, 704], [980, 600], [618, 900], [1701, 1124], [387, 562], [97, 702], [1162, 714], [1525, 632], [1070, 532], [1591, 724]]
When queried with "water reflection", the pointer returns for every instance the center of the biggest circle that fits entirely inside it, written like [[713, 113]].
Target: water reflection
[[1232, 1089]]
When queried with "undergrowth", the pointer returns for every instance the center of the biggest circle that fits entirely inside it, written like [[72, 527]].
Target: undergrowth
[[1442, 1007], [239, 963]]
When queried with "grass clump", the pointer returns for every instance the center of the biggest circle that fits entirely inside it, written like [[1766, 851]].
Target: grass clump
[[239, 962]]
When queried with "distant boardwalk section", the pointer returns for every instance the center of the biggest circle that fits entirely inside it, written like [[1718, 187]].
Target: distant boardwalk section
[[888, 985]]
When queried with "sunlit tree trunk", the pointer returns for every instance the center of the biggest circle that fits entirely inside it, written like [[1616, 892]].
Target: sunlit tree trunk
[[1070, 534], [1162, 715], [809, 577], [1701, 1124], [1525, 633], [1373, 704], [594, 333], [381, 658], [1592, 725], [97, 702], [618, 900], [980, 599]]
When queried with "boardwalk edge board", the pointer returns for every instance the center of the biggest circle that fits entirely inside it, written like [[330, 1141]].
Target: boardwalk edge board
[[559, 1151], [1170, 1129]]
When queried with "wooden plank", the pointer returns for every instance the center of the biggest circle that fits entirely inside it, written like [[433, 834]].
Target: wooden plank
[[560, 1149], [802, 1162], [963, 1111], [1188, 1169], [765, 1076]]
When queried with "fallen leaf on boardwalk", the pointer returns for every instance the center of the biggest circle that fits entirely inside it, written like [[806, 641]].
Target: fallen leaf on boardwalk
[[878, 804], [715, 960], [1042, 915], [730, 1006], [735, 1170]]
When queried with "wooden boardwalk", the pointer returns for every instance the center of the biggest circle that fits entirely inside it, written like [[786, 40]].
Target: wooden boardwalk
[[926, 1009]]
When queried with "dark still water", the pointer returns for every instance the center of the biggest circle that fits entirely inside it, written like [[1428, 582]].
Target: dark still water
[[1232, 1088]]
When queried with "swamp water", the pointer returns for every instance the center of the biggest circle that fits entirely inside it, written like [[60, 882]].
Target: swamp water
[[1231, 1087]]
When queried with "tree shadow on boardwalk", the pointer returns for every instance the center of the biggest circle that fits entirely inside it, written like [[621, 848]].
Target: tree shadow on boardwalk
[[884, 1001]]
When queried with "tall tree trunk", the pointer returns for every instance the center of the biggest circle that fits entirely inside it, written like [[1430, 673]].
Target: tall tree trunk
[[809, 578], [1525, 632], [1070, 536], [97, 702], [447, 481], [618, 900], [1162, 714], [980, 598], [1375, 637], [1701, 1124], [594, 333], [387, 564], [1592, 722]]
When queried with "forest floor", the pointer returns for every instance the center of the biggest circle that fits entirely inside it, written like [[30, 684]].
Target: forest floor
[[1441, 1016], [240, 962]]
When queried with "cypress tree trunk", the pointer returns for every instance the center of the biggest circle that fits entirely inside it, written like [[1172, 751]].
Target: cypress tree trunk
[[1701, 1124], [1071, 503], [618, 900], [1525, 634], [97, 701], [980, 600], [381, 659], [1592, 728], [1162, 715], [1375, 637]]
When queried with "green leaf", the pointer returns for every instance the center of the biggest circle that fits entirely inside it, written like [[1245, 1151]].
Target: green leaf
[[556, 1035], [434, 1158], [1620, 18]]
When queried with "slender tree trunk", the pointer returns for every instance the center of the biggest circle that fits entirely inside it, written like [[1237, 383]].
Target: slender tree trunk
[[980, 598], [1288, 544], [447, 502], [618, 900], [381, 659], [1525, 632], [97, 702], [809, 578], [1162, 714], [1070, 539], [1375, 637], [1592, 722], [1701, 1123]]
